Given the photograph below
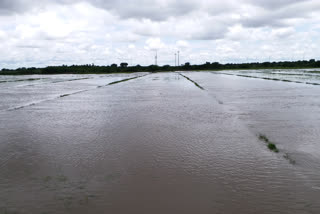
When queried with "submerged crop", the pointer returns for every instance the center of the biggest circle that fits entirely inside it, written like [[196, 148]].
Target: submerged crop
[[270, 144]]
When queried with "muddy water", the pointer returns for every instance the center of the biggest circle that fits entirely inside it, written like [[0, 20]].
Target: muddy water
[[158, 144]]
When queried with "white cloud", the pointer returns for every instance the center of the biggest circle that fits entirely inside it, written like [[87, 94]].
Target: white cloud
[[182, 44], [131, 46], [2, 35], [40, 33], [154, 44]]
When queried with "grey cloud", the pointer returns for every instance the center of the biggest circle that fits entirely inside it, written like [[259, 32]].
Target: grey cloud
[[28, 46], [8, 6], [157, 10], [210, 30], [275, 4], [282, 16], [139, 9], [160, 10], [262, 13], [267, 20]]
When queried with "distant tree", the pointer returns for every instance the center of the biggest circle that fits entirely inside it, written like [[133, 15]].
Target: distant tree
[[166, 67], [215, 65], [124, 65], [153, 68], [114, 68]]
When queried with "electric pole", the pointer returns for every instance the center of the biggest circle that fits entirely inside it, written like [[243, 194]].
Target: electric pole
[[175, 59], [156, 58], [178, 58]]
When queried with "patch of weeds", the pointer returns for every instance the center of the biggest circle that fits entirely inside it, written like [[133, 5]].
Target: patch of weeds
[[263, 138], [91, 196], [125, 80], [81, 187], [78, 79], [273, 147], [22, 80], [311, 83], [62, 178], [287, 156], [241, 75], [33, 79], [47, 179], [273, 79], [70, 80], [195, 83], [64, 95], [270, 145]]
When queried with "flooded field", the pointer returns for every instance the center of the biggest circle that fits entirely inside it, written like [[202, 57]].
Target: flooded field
[[183, 142]]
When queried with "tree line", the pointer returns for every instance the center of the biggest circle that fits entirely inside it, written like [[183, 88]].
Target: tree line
[[124, 68]]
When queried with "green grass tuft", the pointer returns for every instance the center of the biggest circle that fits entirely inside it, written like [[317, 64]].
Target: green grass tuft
[[273, 147], [270, 145], [263, 138]]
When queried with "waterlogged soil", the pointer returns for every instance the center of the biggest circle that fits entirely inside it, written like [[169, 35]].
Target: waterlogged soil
[[184, 142], [22, 91], [302, 76]]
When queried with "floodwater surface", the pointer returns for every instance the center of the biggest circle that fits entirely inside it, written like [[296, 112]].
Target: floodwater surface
[[158, 143]]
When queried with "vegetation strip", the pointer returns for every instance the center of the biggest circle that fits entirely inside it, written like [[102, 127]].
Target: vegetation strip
[[78, 92], [125, 68], [274, 148], [72, 80], [268, 78], [27, 105], [31, 79], [66, 95], [125, 80], [196, 84], [270, 145]]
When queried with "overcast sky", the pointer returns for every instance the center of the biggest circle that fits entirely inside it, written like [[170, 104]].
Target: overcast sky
[[54, 32]]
